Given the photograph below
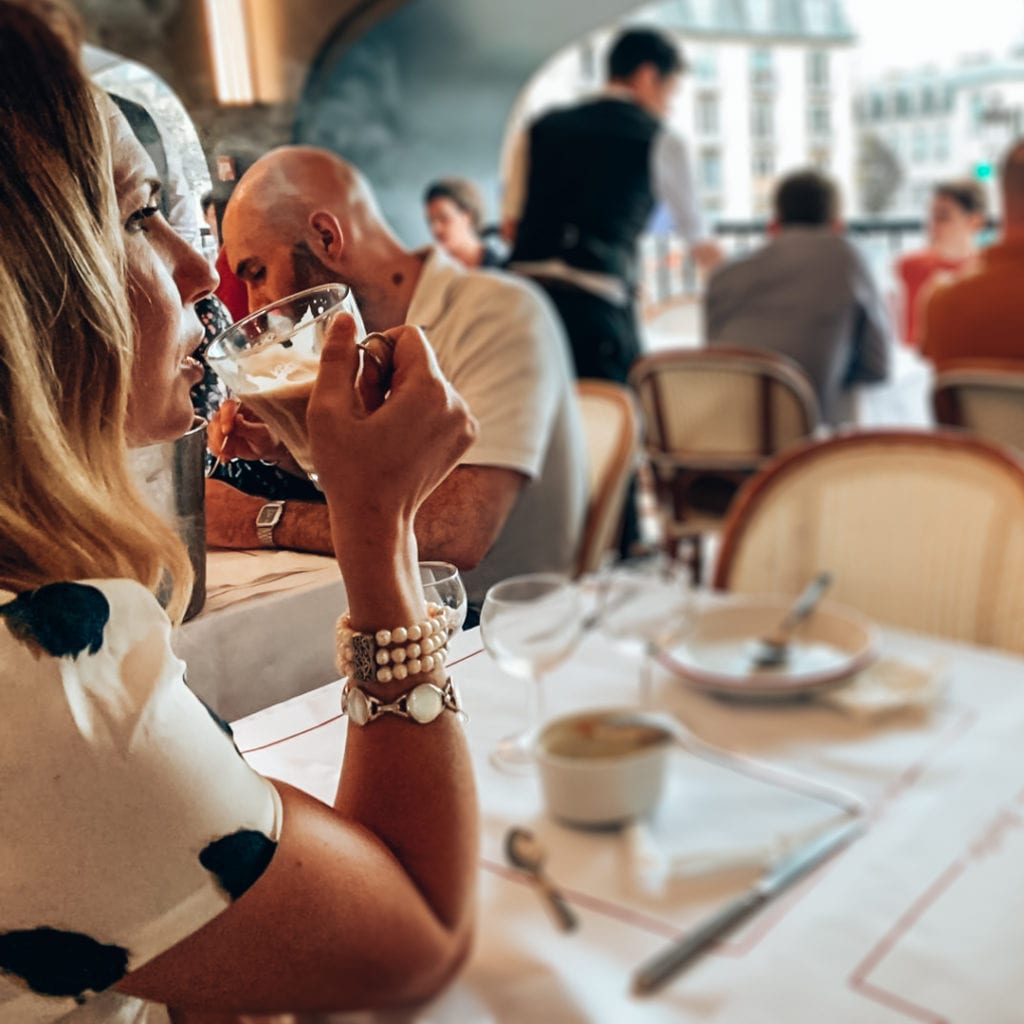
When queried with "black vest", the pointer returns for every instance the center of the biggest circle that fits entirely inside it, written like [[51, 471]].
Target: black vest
[[589, 193]]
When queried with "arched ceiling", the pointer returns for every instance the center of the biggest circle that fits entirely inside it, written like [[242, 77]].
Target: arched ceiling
[[427, 91]]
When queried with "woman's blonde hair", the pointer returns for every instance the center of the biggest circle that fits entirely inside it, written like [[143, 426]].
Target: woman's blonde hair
[[68, 506]]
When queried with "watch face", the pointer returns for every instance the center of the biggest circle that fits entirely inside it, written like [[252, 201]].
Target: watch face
[[424, 703], [270, 515]]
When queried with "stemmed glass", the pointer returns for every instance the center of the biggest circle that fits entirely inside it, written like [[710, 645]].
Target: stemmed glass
[[443, 585], [270, 358], [529, 625], [646, 603]]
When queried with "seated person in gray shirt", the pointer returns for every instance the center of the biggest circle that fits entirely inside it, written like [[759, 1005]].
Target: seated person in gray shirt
[[807, 294]]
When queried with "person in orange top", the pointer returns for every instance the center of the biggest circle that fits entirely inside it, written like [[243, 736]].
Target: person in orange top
[[981, 315], [956, 215]]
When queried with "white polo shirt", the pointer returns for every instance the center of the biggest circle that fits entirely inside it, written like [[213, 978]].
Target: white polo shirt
[[501, 345]]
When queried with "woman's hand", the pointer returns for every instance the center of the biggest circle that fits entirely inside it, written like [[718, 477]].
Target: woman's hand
[[378, 455]]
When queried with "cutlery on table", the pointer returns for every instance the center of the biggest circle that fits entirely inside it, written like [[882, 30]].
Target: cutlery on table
[[652, 975], [773, 650], [525, 852]]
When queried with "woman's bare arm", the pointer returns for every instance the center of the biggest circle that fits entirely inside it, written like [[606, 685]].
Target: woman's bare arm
[[368, 903]]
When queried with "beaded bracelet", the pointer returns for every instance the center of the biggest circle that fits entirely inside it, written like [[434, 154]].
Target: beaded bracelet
[[392, 654]]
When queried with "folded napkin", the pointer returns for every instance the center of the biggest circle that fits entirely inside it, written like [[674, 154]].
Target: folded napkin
[[654, 864], [236, 576], [889, 686]]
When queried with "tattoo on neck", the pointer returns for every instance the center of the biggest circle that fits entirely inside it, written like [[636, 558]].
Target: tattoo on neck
[[397, 279]]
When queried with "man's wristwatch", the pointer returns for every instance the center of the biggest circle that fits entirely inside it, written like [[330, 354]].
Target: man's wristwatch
[[266, 519]]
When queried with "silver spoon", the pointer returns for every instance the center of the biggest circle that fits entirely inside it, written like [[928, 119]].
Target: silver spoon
[[525, 853], [772, 651]]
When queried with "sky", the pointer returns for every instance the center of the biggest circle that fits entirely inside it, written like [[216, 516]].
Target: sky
[[911, 33]]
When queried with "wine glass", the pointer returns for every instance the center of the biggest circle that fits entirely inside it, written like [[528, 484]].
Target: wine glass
[[529, 625], [646, 604], [443, 585]]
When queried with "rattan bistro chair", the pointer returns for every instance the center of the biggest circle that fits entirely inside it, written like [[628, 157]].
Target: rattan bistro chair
[[921, 530], [712, 417], [610, 422], [984, 396]]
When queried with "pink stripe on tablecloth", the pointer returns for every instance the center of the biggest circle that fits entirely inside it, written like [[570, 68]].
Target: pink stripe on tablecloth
[[976, 848], [334, 718], [654, 925]]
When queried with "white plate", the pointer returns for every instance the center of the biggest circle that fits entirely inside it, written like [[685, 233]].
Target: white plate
[[717, 655]]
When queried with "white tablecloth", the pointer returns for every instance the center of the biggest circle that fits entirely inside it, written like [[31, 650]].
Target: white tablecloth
[[266, 631], [922, 919], [904, 400]]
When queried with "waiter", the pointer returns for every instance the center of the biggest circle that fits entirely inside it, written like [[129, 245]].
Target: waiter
[[584, 181]]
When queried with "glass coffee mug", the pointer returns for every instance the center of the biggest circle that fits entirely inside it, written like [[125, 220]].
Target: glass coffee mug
[[269, 360]]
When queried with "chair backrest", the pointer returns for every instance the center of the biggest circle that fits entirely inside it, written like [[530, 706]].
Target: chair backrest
[[610, 423], [985, 396], [921, 530], [724, 406]]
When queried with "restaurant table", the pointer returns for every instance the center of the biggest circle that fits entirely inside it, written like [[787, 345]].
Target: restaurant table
[[921, 919], [266, 631]]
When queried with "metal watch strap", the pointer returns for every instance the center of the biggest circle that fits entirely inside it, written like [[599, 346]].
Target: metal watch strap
[[266, 519], [422, 704]]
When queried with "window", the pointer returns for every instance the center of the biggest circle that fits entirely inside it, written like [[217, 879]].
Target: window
[[928, 101], [710, 170], [820, 158], [940, 144], [761, 66], [761, 119], [817, 68], [819, 120], [977, 108], [763, 164], [919, 145], [902, 104], [877, 106], [703, 12], [705, 65], [816, 15], [760, 12], [707, 114]]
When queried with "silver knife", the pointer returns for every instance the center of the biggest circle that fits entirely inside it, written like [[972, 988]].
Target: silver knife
[[667, 964]]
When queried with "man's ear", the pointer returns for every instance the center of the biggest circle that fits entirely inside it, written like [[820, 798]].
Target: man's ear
[[328, 240]]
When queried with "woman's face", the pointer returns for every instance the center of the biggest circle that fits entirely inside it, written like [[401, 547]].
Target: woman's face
[[950, 224], [166, 277], [451, 226]]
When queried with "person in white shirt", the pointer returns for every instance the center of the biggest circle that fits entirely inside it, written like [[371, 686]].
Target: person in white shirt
[[300, 217]]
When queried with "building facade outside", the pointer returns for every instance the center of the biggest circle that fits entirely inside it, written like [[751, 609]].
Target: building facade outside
[[770, 89], [933, 123]]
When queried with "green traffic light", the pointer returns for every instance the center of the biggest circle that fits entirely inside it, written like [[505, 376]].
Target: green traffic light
[[983, 171]]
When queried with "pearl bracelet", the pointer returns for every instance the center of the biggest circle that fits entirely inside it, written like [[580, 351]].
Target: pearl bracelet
[[392, 654]]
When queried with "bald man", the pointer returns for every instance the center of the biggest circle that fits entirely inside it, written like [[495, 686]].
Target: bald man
[[302, 217], [980, 315]]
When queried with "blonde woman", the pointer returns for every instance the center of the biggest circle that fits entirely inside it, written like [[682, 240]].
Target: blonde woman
[[144, 863]]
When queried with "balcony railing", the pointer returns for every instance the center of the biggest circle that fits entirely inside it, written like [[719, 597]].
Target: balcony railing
[[669, 274]]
